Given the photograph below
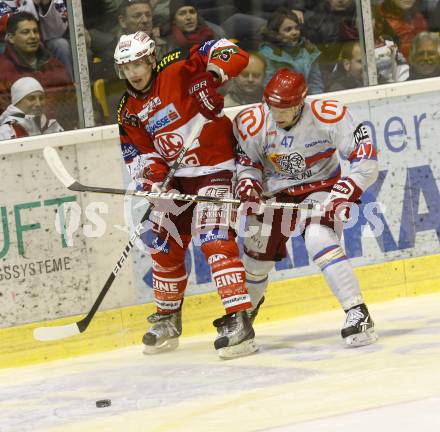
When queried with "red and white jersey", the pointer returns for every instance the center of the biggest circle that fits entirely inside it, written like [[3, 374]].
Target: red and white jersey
[[154, 126], [304, 158]]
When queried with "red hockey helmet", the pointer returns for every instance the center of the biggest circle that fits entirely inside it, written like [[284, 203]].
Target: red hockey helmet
[[285, 89]]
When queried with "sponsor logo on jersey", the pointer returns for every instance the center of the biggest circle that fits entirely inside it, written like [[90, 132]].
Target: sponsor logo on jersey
[[204, 48], [313, 143], [161, 245], [151, 105], [213, 236], [162, 118], [129, 152], [291, 163], [169, 145], [130, 119], [360, 134], [170, 58], [302, 176], [224, 54], [328, 111], [216, 257], [216, 191]]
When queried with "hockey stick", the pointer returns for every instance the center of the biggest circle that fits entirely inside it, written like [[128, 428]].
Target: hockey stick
[[63, 331], [56, 165]]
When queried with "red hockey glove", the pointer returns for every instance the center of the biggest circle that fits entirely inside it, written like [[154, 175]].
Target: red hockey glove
[[249, 191], [203, 90], [343, 194], [153, 179]]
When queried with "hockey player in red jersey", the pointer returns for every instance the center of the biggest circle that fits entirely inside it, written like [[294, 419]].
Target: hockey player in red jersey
[[288, 150], [155, 116]]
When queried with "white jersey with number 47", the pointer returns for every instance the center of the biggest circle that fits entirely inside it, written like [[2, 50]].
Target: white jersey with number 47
[[303, 158]]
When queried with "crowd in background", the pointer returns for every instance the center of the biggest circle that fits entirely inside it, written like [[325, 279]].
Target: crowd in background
[[317, 38]]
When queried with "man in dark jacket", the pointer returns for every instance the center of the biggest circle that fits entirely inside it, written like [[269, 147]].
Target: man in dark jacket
[[26, 56]]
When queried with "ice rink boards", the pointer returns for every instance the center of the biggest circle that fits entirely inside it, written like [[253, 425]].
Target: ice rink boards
[[302, 380]]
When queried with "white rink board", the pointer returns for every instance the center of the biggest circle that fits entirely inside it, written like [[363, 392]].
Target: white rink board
[[406, 130]]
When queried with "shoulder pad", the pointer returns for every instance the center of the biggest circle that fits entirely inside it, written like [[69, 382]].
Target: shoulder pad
[[172, 57], [250, 121], [328, 111]]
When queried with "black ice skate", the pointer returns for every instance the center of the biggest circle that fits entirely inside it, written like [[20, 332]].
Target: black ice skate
[[358, 329], [252, 314], [235, 336], [164, 333]]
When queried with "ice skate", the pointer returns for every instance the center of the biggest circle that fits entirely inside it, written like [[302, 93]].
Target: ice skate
[[164, 334], [235, 336], [252, 314], [358, 329]]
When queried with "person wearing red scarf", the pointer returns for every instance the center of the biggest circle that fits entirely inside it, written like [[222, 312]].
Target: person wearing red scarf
[[187, 26]]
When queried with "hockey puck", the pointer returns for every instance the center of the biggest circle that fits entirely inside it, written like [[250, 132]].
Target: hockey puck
[[103, 403]]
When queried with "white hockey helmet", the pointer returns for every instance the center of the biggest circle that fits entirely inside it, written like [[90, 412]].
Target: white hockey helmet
[[134, 47]]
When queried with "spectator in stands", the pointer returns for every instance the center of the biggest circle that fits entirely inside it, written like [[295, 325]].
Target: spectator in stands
[[187, 27], [247, 88], [212, 11], [284, 46], [251, 16], [25, 116], [390, 63], [137, 15], [424, 56], [434, 18], [133, 16], [405, 19], [348, 72], [53, 23], [329, 25], [25, 56]]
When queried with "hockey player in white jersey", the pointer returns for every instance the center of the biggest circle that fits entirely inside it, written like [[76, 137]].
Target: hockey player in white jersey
[[288, 150]]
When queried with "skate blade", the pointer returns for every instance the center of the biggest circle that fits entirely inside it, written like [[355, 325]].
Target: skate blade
[[241, 350], [168, 345], [361, 339]]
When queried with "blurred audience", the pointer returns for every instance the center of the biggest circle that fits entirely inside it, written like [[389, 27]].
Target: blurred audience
[[25, 116], [25, 56], [424, 56], [348, 72], [390, 63], [284, 46], [329, 25], [247, 88], [132, 16], [405, 19], [53, 23], [187, 27]]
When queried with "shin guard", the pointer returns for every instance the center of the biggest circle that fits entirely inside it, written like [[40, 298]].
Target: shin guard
[[229, 277]]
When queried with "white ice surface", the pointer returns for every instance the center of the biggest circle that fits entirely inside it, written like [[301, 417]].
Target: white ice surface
[[302, 380]]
